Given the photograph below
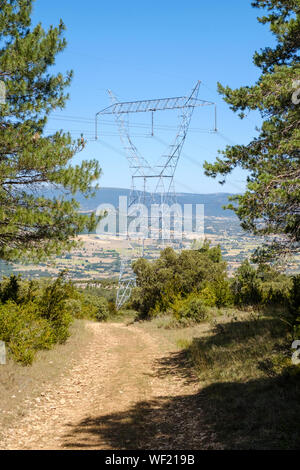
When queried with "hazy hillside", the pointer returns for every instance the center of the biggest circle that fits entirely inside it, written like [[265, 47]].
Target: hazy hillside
[[213, 202]]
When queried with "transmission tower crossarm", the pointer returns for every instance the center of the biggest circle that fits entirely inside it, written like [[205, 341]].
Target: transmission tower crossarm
[[161, 104], [158, 104]]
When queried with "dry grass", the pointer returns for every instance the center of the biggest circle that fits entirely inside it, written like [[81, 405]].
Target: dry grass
[[171, 334], [248, 401], [237, 346], [19, 385], [150, 385], [248, 397]]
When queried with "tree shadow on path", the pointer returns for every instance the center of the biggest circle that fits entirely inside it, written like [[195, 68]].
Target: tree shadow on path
[[259, 414]]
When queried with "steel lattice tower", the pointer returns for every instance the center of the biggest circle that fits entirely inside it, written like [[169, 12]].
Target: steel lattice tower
[[142, 172]]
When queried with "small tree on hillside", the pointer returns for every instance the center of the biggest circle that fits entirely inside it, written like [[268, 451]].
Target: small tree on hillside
[[30, 223]]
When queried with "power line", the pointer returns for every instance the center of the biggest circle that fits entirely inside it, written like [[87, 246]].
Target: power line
[[166, 127]]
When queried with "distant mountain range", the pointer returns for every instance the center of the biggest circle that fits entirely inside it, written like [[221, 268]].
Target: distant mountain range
[[213, 203]]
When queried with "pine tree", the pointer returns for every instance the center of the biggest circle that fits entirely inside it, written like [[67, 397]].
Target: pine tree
[[31, 224], [271, 204]]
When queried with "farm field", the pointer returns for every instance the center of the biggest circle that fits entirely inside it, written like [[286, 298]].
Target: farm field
[[99, 256]]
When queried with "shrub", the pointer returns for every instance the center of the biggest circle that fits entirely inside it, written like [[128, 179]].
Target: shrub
[[191, 308], [223, 293], [208, 296], [88, 307], [35, 315], [173, 276], [54, 308], [275, 287], [95, 307], [31, 290], [112, 308], [102, 312], [24, 331], [195, 309], [98, 302], [246, 286], [10, 289], [74, 307], [275, 292], [263, 285]]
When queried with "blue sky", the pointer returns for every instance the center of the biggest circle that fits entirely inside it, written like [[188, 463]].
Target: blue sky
[[151, 49]]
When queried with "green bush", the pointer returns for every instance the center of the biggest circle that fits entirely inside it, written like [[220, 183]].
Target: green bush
[[95, 307], [54, 308], [24, 331], [177, 275], [275, 287], [191, 308], [75, 308], [275, 293], [295, 296], [35, 315], [102, 312], [194, 309], [112, 308], [98, 302], [208, 296], [10, 289], [88, 309], [246, 285], [262, 285], [223, 292]]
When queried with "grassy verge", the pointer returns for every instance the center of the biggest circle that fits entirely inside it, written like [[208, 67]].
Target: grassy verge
[[20, 385], [249, 399]]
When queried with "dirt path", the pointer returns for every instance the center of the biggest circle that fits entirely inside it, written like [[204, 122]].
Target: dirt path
[[125, 393]]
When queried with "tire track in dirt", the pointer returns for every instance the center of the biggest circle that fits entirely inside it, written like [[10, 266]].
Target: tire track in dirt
[[113, 398]]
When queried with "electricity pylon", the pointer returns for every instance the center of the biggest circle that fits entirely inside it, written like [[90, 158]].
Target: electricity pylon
[[161, 176]]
